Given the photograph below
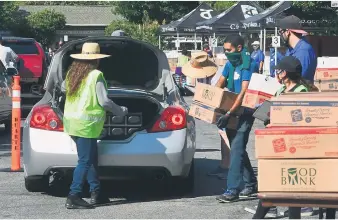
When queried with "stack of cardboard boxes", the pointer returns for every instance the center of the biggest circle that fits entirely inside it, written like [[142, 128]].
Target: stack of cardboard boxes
[[299, 152], [326, 78]]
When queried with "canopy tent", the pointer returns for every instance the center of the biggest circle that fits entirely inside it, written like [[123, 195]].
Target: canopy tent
[[268, 19], [229, 20], [186, 24]]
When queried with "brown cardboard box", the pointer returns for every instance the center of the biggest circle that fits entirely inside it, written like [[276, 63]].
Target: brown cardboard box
[[326, 73], [210, 114], [214, 96], [318, 111], [253, 97], [317, 142], [298, 175], [327, 85]]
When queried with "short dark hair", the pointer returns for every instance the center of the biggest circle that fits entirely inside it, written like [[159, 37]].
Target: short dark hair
[[235, 40]]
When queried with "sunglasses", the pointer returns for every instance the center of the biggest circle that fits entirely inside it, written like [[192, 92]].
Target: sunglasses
[[279, 71], [282, 31]]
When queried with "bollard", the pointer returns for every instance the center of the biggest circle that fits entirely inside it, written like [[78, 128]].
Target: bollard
[[16, 124]]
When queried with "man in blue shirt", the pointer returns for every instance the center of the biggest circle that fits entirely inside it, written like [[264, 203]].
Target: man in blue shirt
[[258, 56], [236, 77], [291, 33], [272, 60]]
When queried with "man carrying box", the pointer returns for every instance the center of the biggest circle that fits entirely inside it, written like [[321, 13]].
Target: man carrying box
[[236, 76]]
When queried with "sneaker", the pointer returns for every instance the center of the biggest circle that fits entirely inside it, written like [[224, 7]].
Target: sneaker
[[248, 192], [219, 170], [304, 212], [97, 198], [272, 213], [76, 202], [228, 196]]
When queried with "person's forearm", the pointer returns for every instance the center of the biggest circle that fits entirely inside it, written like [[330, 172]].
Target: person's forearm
[[261, 66], [238, 103], [106, 103]]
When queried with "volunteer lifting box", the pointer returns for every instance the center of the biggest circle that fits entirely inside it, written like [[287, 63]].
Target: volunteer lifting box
[[260, 88], [286, 142], [210, 114], [298, 175]]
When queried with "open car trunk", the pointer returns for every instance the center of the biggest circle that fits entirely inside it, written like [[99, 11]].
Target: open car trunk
[[133, 76]]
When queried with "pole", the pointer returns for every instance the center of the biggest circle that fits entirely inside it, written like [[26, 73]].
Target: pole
[[16, 124], [195, 41], [264, 43], [275, 52], [177, 46], [261, 39], [159, 42]]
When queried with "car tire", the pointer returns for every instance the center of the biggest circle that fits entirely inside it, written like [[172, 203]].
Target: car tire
[[185, 185], [37, 183]]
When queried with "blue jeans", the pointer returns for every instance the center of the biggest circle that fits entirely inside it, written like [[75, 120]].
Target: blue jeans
[[240, 165], [87, 165]]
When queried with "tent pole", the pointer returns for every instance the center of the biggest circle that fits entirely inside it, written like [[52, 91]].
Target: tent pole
[[261, 39], [264, 43], [195, 41], [276, 48], [159, 42], [177, 44], [213, 48]]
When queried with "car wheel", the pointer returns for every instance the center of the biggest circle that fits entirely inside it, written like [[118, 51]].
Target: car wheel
[[185, 185], [37, 184]]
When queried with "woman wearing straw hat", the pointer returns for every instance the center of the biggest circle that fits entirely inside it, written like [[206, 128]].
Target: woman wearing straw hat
[[84, 117]]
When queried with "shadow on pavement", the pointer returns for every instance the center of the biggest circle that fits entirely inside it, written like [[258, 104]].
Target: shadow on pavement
[[137, 190]]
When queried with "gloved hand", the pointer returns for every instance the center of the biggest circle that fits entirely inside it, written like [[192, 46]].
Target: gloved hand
[[266, 122], [260, 71], [223, 121]]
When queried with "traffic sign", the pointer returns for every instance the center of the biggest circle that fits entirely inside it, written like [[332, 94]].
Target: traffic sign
[[275, 41], [213, 42]]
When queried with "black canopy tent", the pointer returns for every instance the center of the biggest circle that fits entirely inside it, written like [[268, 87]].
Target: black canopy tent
[[186, 24], [228, 21], [268, 19]]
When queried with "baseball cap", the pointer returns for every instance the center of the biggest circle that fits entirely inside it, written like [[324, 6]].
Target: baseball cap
[[118, 33], [289, 64], [292, 23], [255, 43]]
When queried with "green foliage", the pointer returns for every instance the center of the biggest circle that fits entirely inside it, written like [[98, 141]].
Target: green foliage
[[221, 5], [8, 10], [157, 10], [70, 3], [44, 24], [144, 32]]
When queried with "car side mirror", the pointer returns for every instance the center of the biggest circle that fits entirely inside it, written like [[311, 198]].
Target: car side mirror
[[11, 71]]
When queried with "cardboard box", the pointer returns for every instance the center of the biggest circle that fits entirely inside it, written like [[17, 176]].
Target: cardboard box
[[326, 73], [307, 112], [327, 85], [260, 88], [252, 98], [296, 143], [210, 114], [214, 96], [298, 175], [327, 62]]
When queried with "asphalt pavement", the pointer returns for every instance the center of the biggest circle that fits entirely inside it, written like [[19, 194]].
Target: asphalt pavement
[[132, 200]]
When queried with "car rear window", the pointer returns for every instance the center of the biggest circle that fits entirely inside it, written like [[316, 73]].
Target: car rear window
[[22, 47]]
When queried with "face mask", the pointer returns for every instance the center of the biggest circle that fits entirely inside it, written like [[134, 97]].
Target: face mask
[[255, 47], [234, 58], [272, 50]]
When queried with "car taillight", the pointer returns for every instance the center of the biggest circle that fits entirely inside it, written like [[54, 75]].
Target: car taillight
[[172, 118], [44, 117]]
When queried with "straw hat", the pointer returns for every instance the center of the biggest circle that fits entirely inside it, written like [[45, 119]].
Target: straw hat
[[199, 66], [90, 51]]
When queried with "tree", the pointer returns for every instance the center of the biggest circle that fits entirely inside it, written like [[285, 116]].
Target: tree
[[69, 3], [147, 31], [44, 25], [8, 12], [221, 6], [157, 10]]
